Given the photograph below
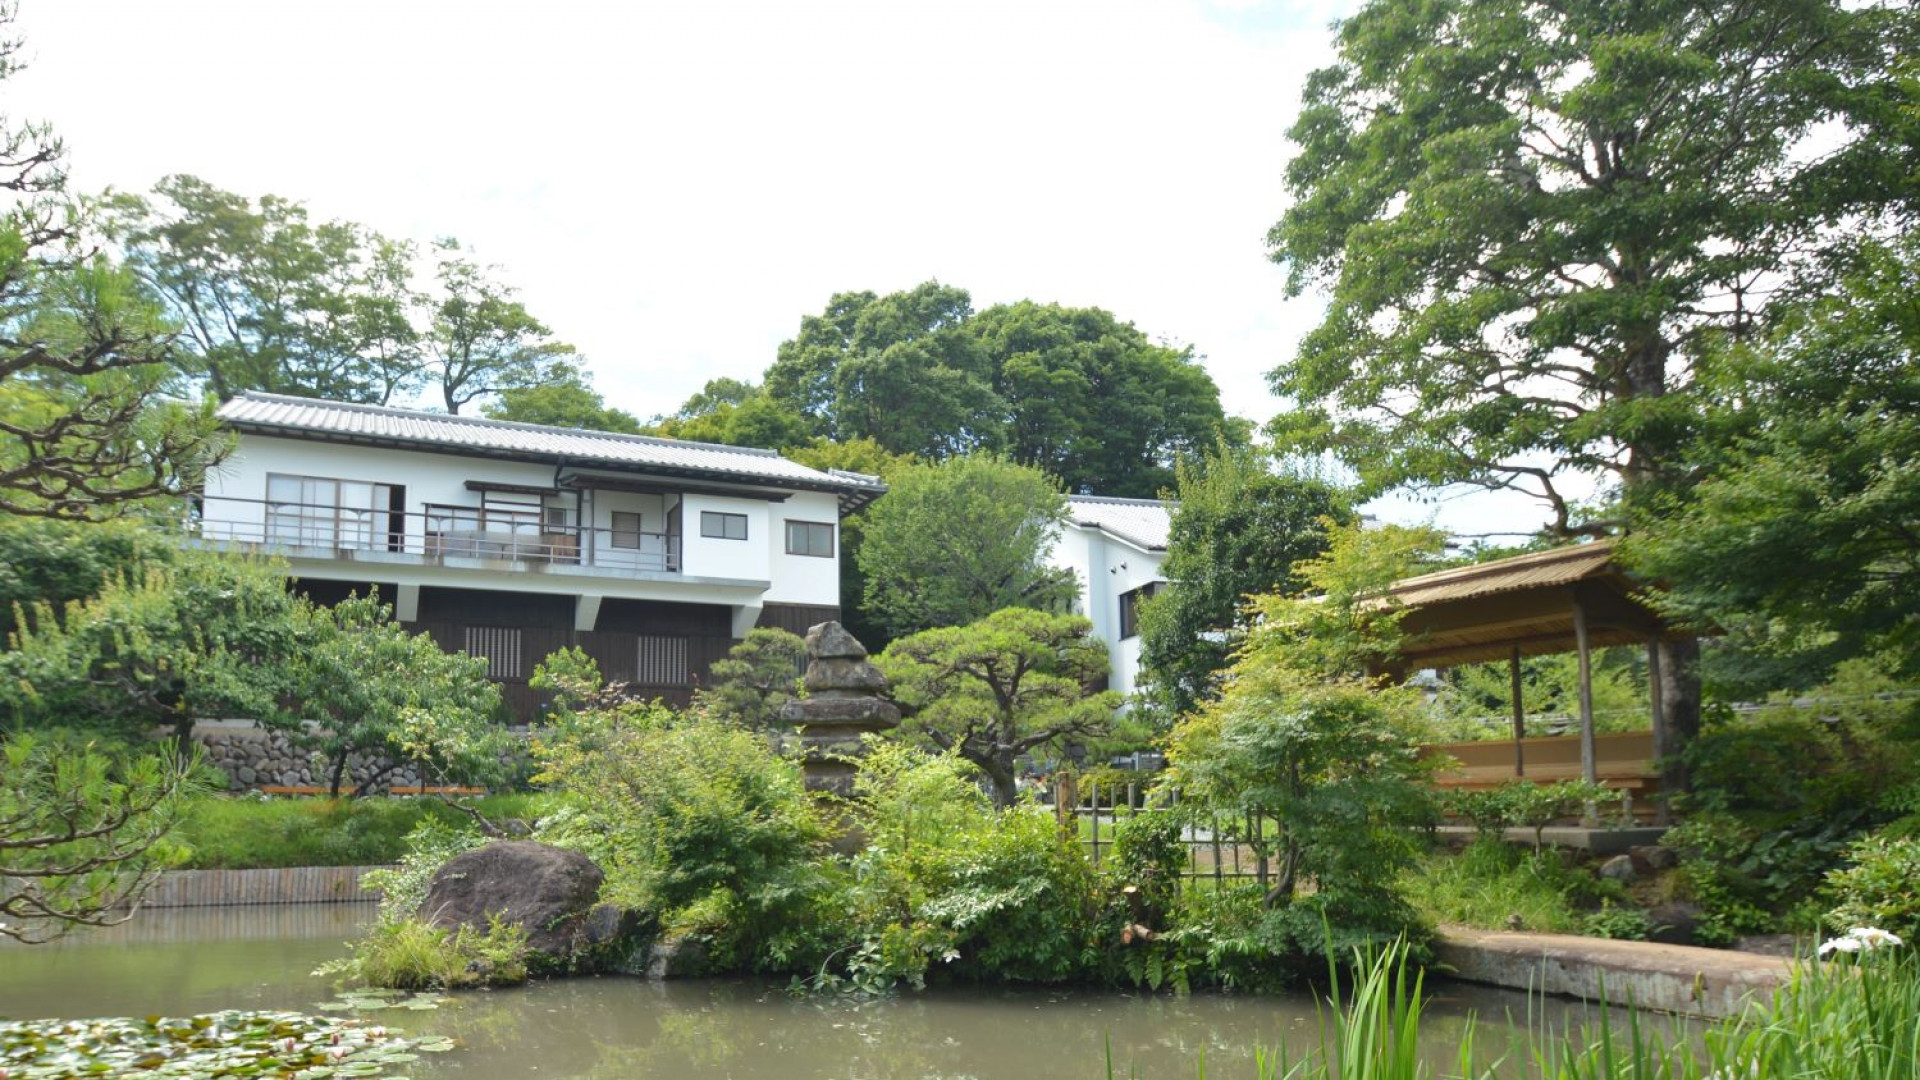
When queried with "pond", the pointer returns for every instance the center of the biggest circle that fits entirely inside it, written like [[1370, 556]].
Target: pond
[[191, 960]]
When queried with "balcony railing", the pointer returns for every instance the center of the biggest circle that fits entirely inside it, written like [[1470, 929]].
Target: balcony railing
[[436, 533]]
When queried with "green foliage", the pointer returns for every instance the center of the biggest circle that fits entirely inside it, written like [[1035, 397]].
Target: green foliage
[[202, 635], [267, 299], [1001, 687], [1071, 391], [1495, 886], [1301, 736], [733, 413], [1019, 905], [758, 676], [1619, 923], [1238, 528], [1537, 222], [58, 562], [411, 955], [243, 832], [1800, 542], [82, 832], [689, 813], [959, 540], [480, 341], [564, 397], [1475, 700], [867, 457], [1879, 887]]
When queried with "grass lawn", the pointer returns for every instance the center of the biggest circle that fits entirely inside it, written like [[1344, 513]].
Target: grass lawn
[[247, 832]]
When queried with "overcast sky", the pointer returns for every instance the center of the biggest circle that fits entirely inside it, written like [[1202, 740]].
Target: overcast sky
[[672, 186]]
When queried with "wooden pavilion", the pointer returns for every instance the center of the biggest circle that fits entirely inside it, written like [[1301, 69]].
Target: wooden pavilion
[[1569, 599]]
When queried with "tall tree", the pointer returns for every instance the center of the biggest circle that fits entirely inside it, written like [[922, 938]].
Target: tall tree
[[1089, 399], [1001, 687], [565, 397], [900, 369], [1803, 541], [482, 341], [957, 540], [1532, 220], [270, 300], [1238, 529], [735, 413]]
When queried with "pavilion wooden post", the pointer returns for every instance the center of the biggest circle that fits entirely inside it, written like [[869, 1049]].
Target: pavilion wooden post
[[1519, 716], [1657, 705], [1589, 764]]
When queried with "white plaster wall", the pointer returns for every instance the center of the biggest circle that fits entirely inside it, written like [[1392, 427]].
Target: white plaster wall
[[708, 557], [804, 579], [234, 508], [1107, 567]]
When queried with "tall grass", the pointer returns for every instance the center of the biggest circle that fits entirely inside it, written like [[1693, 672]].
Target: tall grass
[[1831, 1022]]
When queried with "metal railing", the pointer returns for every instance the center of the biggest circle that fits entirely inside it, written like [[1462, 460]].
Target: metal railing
[[436, 532]]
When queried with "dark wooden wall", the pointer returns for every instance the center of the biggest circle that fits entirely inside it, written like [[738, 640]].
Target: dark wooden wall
[[797, 618]]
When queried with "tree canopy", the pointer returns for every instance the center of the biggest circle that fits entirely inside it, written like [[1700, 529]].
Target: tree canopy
[[1803, 540], [1072, 391], [957, 540], [1000, 687], [1238, 529], [1532, 220], [563, 397]]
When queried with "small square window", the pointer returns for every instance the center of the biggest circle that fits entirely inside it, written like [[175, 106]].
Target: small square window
[[719, 526], [626, 529], [810, 538]]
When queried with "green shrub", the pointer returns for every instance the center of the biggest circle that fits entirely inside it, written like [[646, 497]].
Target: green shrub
[[410, 955], [242, 832], [1879, 888], [1495, 886]]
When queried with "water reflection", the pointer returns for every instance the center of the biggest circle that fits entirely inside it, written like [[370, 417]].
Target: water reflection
[[196, 960]]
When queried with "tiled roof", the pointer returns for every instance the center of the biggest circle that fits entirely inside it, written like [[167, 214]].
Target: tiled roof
[[293, 417], [1142, 522]]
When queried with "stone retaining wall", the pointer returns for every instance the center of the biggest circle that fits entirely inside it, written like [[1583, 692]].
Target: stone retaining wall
[[253, 757], [1670, 978], [290, 885]]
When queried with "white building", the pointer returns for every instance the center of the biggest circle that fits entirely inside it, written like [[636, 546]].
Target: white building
[[512, 540], [1114, 548]]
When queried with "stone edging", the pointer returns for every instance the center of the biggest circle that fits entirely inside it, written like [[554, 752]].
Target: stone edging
[[289, 885], [1670, 978]]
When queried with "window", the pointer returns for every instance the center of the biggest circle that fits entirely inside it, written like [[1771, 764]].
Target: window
[[499, 646], [810, 538], [1130, 608], [662, 661], [315, 511], [720, 526], [626, 530]]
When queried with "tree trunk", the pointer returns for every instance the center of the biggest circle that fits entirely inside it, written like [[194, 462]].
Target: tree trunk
[[1000, 775], [339, 772], [1680, 696]]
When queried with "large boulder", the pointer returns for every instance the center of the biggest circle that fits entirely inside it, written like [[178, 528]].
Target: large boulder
[[548, 891]]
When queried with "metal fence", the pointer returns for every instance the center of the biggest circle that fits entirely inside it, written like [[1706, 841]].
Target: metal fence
[[1221, 848]]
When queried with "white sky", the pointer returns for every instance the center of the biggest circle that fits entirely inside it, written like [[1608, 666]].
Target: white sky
[[672, 186]]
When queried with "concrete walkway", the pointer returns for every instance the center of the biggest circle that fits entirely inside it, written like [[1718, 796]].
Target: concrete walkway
[[1671, 978]]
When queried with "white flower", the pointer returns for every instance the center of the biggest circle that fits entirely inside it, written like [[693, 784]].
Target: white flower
[[1873, 938], [1841, 944]]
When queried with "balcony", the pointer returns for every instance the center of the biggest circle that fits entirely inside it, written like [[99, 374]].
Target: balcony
[[487, 538]]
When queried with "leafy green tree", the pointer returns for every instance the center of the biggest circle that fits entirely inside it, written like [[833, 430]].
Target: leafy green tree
[[268, 299], [760, 674], [1000, 687], [900, 369], [1090, 400], [82, 833], [734, 413], [1803, 541], [1238, 528], [956, 541], [158, 644], [1071, 391], [1303, 737], [1534, 223], [564, 397], [58, 562], [480, 340], [869, 458]]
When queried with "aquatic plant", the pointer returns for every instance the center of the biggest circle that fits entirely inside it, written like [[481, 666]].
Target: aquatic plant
[[223, 1044]]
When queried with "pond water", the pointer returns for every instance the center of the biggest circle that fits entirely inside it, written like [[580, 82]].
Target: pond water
[[191, 960]]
